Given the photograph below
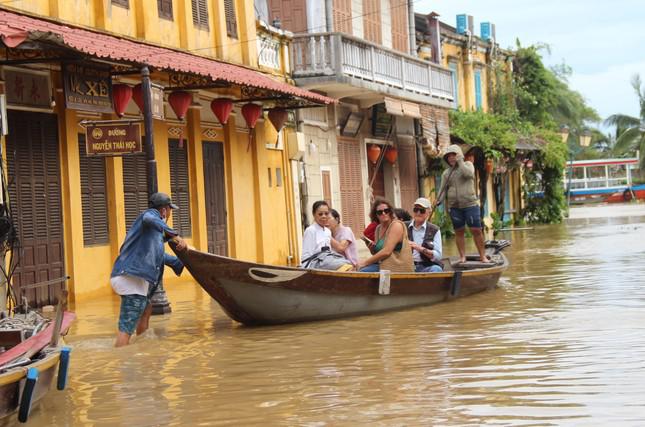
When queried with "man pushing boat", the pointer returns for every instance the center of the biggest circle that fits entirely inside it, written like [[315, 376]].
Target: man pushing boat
[[139, 267]]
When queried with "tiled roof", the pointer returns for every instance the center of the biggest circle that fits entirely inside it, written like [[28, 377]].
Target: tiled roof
[[16, 28]]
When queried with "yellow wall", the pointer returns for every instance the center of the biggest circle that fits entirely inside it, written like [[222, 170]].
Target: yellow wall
[[141, 20], [466, 66]]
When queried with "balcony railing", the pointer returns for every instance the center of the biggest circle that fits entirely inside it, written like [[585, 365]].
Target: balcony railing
[[329, 54], [273, 47]]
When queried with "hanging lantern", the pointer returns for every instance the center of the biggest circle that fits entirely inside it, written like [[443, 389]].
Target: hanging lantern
[[391, 154], [121, 95], [222, 108], [251, 113], [529, 164], [489, 165], [179, 102], [137, 96], [373, 152], [278, 117]]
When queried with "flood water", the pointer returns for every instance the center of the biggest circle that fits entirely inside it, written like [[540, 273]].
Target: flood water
[[560, 342]]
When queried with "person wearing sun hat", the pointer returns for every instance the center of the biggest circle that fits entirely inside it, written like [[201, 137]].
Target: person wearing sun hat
[[425, 239], [139, 267]]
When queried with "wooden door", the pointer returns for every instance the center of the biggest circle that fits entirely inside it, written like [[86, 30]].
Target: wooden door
[[135, 187], [378, 181], [351, 184], [408, 175], [215, 192], [326, 186], [292, 15], [35, 201]]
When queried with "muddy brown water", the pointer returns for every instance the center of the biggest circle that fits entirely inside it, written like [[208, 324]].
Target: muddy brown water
[[560, 342]]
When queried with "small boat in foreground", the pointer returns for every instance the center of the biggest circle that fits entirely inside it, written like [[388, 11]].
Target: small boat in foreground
[[34, 356], [259, 294]]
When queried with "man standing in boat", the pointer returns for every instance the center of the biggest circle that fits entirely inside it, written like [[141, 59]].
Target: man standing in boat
[[458, 189], [139, 267]]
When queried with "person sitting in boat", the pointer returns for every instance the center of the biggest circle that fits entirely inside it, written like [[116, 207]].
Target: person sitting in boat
[[425, 239], [317, 243], [345, 238], [391, 249]]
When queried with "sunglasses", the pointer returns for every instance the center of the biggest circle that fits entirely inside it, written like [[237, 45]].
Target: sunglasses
[[419, 210], [386, 211]]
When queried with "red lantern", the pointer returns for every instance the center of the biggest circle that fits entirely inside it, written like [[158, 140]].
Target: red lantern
[[391, 154], [121, 95], [373, 152], [137, 96], [222, 108], [489, 165], [251, 113], [179, 102]]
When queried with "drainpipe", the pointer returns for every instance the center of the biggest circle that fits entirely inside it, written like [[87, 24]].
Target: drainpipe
[[412, 29], [329, 15]]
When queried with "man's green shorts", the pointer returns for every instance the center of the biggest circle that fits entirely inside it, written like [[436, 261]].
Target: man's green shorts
[[132, 308]]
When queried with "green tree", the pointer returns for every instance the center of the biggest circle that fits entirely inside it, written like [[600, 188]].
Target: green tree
[[630, 131]]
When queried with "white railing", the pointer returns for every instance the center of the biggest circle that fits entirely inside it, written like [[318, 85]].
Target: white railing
[[269, 51], [328, 54]]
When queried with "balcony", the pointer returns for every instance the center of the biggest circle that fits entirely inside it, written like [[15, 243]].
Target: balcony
[[346, 66], [273, 48]]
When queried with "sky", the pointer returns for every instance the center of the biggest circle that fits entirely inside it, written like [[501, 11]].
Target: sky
[[602, 41]]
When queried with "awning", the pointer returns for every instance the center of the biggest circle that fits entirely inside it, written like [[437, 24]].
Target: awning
[[17, 28], [402, 108], [528, 145]]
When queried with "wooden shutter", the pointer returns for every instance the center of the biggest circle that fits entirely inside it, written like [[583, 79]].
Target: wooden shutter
[[343, 16], [408, 175], [122, 3], [399, 14], [35, 201], [179, 187], [231, 20], [292, 15], [93, 196], [326, 186], [215, 197], [200, 13], [372, 20], [135, 188], [351, 184], [164, 8]]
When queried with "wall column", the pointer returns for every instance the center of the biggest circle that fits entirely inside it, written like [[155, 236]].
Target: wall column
[[196, 180]]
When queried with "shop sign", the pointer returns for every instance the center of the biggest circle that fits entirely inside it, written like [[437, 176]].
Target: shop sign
[[27, 89], [88, 88], [112, 139], [157, 101]]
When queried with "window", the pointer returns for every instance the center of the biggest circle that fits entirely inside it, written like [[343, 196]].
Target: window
[[93, 196], [455, 82], [200, 13], [478, 89], [231, 21], [164, 7], [179, 187], [122, 3]]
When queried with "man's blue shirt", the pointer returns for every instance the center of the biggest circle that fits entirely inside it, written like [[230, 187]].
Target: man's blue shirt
[[142, 253]]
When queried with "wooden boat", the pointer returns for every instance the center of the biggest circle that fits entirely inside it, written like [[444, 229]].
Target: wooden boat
[[259, 294], [28, 368]]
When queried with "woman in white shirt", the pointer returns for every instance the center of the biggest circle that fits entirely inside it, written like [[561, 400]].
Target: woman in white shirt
[[317, 243]]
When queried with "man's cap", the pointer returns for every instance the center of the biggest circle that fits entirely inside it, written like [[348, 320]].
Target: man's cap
[[423, 202], [159, 200]]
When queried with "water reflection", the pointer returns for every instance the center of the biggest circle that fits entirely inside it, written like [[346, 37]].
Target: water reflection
[[560, 343]]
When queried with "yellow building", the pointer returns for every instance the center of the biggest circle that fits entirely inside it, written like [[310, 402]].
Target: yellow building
[[66, 60], [477, 63]]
